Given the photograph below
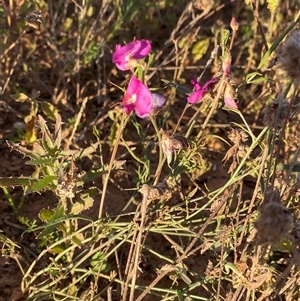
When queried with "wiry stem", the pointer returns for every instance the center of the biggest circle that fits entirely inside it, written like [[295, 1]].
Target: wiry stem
[[111, 162]]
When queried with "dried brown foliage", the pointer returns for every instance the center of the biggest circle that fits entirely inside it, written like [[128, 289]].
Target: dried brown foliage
[[289, 55], [274, 221], [238, 150], [276, 113]]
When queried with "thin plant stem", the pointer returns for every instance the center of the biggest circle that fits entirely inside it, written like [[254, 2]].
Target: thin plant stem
[[213, 108], [111, 162], [159, 137], [163, 272], [180, 118], [130, 262], [162, 162], [12, 45], [78, 118], [255, 192], [159, 169], [260, 27], [138, 246]]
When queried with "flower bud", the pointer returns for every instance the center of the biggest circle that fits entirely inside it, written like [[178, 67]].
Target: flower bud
[[229, 97], [233, 24]]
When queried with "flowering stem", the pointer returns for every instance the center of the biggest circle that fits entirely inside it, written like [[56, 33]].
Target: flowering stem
[[181, 116], [158, 170], [124, 120], [192, 122], [244, 121], [214, 106], [232, 38], [162, 159]]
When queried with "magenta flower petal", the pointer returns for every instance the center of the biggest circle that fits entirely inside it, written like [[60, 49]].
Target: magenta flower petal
[[129, 99], [143, 47], [144, 104], [199, 92], [196, 85], [196, 96], [128, 108], [125, 57], [119, 58], [138, 98], [208, 84]]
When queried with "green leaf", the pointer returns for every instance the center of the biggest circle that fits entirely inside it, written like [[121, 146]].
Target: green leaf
[[47, 170], [40, 161], [296, 167], [10, 182], [180, 295], [90, 11], [67, 25], [30, 128], [185, 278], [49, 110], [47, 140], [276, 43], [230, 266], [250, 77], [85, 201], [225, 34], [113, 133], [57, 132], [169, 159], [20, 97], [57, 249], [192, 193], [111, 114], [42, 184], [181, 272], [23, 150], [78, 240], [25, 67], [34, 108], [94, 174], [54, 219], [99, 262], [96, 132], [46, 215], [200, 48], [87, 151]]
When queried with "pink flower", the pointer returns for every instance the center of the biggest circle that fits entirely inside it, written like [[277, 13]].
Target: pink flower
[[138, 98], [229, 97], [125, 57], [199, 92]]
